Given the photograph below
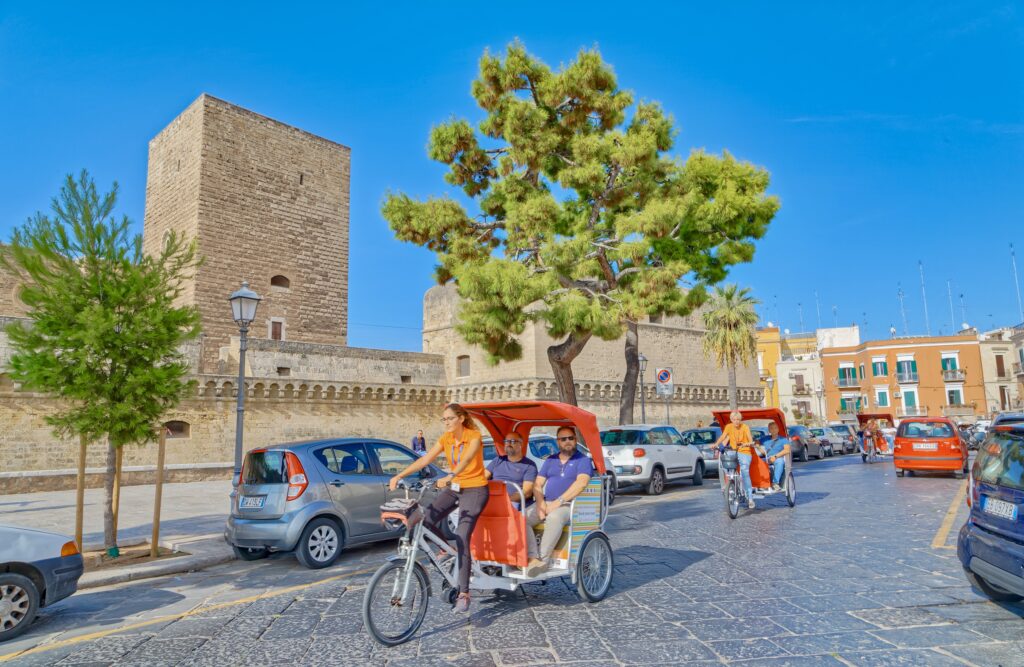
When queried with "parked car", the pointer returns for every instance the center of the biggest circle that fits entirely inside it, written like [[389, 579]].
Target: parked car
[[37, 569], [651, 455], [703, 439], [848, 435], [315, 497], [929, 444], [542, 446], [991, 543], [1005, 418], [828, 440], [803, 443]]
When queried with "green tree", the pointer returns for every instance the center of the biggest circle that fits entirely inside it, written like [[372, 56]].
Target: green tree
[[583, 222], [104, 329], [731, 321]]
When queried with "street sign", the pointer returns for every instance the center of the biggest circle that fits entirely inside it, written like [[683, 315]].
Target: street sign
[[663, 377]]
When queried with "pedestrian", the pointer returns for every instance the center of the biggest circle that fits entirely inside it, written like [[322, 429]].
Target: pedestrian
[[464, 487], [700, 423], [419, 443]]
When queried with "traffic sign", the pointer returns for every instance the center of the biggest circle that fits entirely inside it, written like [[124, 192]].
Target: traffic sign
[[664, 383]]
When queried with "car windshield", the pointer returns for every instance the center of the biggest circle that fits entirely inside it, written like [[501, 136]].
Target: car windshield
[[490, 451], [543, 447], [1001, 460], [840, 432], [624, 437], [818, 431], [916, 429], [1010, 419], [267, 467]]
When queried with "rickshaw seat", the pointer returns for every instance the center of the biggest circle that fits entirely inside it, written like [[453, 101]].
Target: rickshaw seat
[[760, 473], [500, 533]]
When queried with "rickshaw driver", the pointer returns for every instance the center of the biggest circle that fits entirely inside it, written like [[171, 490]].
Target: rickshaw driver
[[562, 477], [740, 439], [775, 449]]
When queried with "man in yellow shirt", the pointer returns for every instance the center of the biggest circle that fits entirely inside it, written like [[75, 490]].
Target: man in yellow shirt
[[739, 438]]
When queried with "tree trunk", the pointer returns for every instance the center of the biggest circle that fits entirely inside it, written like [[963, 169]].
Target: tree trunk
[[117, 487], [733, 404], [80, 492], [628, 398], [561, 357], [109, 535], [154, 542]]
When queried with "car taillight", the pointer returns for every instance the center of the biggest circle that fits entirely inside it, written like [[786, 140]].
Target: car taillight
[[297, 482], [639, 451], [795, 438], [69, 549], [972, 489]]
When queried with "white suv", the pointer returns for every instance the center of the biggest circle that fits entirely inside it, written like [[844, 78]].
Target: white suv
[[651, 455]]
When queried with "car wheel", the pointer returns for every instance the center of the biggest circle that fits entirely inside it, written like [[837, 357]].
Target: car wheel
[[803, 454], [698, 475], [250, 553], [320, 544], [657, 483], [19, 602], [613, 489], [997, 594]]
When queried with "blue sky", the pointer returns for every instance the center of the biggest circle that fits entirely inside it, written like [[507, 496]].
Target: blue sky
[[892, 134]]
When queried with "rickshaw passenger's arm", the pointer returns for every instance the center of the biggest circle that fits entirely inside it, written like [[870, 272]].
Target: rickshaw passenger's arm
[[538, 489], [576, 489]]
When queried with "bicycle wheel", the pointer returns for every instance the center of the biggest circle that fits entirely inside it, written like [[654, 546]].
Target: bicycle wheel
[[732, 498], [388, 619]]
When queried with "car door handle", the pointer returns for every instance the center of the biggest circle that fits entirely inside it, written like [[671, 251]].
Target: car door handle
[[337, 482]]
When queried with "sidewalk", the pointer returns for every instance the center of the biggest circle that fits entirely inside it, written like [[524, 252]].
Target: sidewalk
[[192, 519]]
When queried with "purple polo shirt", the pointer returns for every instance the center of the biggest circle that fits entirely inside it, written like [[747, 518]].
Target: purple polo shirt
[[560, 476]]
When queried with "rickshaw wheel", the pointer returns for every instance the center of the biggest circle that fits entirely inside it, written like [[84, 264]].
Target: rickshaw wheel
[[900, 473], [790, 490], [732, 499], [594, 568]]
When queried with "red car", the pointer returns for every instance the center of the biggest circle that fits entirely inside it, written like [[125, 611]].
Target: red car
[[929, 444]]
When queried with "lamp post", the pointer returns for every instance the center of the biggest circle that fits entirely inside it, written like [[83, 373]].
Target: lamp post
[[643, 400], [243, 311], [818, 392], [770, 381]]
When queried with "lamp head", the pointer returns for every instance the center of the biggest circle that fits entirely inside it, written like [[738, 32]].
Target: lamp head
[[243, 305]]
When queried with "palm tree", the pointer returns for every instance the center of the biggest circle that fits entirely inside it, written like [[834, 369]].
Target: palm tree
[[730, 321]]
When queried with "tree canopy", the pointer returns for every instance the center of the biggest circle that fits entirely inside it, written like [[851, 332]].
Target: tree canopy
[[730, 321]]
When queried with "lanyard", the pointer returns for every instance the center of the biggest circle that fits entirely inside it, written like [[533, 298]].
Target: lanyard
[[455, 460]]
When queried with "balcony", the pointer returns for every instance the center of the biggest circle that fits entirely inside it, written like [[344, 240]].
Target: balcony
[[844, 382], [958, 410], [801, 390], [906, 377], [1018, 370], [953, 374], [912, 412]]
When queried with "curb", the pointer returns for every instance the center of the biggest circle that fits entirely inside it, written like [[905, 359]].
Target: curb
[[205, 553]]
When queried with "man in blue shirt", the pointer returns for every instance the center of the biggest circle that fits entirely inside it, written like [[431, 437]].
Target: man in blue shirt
[[776, 447], [562, 477], [515, 468], [419, 444]]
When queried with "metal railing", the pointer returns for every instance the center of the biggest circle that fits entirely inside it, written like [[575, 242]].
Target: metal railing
[[801, 390], [906, 376], [912, 412], [953, 374], [1018, 369], [958, 410], [846, 381]]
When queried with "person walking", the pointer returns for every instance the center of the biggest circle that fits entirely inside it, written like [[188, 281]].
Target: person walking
[[419, 443], [464, 487]]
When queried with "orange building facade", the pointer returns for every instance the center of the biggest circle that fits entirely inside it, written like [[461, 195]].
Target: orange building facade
[[916, 376]]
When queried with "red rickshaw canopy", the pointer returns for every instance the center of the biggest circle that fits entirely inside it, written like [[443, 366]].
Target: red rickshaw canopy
[[768, 414]]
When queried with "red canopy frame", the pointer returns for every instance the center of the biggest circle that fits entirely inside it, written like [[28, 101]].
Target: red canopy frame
[[522, 416], [769, 414]]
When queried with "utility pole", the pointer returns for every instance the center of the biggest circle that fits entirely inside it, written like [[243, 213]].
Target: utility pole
[[952, 317], [924, 299], [963, 309], [903, 310], [1016, 282], [835, 317], [800, 307], [817, 306]]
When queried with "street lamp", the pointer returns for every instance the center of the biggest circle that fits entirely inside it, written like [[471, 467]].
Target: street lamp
[[643, 401], [243, 312], [770, 381], [818, 392]]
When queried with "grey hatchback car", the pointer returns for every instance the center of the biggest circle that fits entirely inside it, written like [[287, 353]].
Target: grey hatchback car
[[315, 497]]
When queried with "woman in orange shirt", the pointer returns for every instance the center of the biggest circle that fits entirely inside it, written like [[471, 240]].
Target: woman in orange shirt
[[740, 439], [465, 487]]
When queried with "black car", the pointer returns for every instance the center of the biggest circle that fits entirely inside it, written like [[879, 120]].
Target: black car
[[801, 439]]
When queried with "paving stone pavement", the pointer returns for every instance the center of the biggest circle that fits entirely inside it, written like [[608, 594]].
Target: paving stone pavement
[[847, 577]]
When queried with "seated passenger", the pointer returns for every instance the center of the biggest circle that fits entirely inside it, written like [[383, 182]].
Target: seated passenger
[[775, 448], [513, 467], [562, 477]]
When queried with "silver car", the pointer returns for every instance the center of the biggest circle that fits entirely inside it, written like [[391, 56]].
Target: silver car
[[37, 569], [315, 497]]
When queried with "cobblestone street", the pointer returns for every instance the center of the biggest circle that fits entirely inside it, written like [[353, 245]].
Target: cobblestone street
[[847, 577]]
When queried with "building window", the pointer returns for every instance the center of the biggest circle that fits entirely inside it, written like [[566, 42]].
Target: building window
[[177, 429], [1000, 366], [462, 366], [406, 379], [280, 281], [950, 361], [882, 398], [284, 371], [879, 368], [655, 319], [954, 396], [276, 329], [862, 373]]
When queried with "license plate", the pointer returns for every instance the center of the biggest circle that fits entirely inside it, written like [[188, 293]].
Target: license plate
[[1000, 508], [926, 446], [252, 502]]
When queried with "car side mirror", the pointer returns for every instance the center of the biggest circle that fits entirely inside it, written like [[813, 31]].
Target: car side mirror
[[426, 473]]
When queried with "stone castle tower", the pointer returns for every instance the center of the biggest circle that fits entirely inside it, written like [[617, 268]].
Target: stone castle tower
[[266, 203]]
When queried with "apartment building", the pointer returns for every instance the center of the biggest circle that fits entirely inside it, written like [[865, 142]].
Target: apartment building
[[792, 384], [910, 376], [1017, 340], [997, 358], [801, 387]]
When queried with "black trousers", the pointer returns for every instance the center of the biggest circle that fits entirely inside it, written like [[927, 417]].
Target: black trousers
[[471, 503]]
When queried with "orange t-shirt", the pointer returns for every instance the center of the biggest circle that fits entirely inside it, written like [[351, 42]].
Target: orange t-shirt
[[737, 435], [472, 475]]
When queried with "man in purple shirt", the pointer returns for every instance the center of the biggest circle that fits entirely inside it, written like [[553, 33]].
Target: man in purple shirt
[[562, 477], [514, 467]]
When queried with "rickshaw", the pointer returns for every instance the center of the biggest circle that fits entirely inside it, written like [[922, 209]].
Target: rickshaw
[[396, 598], [760, 472], [880, 442]]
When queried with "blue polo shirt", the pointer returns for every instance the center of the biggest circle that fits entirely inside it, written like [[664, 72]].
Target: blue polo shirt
[[560, 476], [773, 447], [518, 472]]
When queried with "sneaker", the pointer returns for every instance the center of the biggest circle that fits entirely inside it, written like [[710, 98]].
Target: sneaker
[[461, 604], [750, 504], [535, 567], [776, 487]]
